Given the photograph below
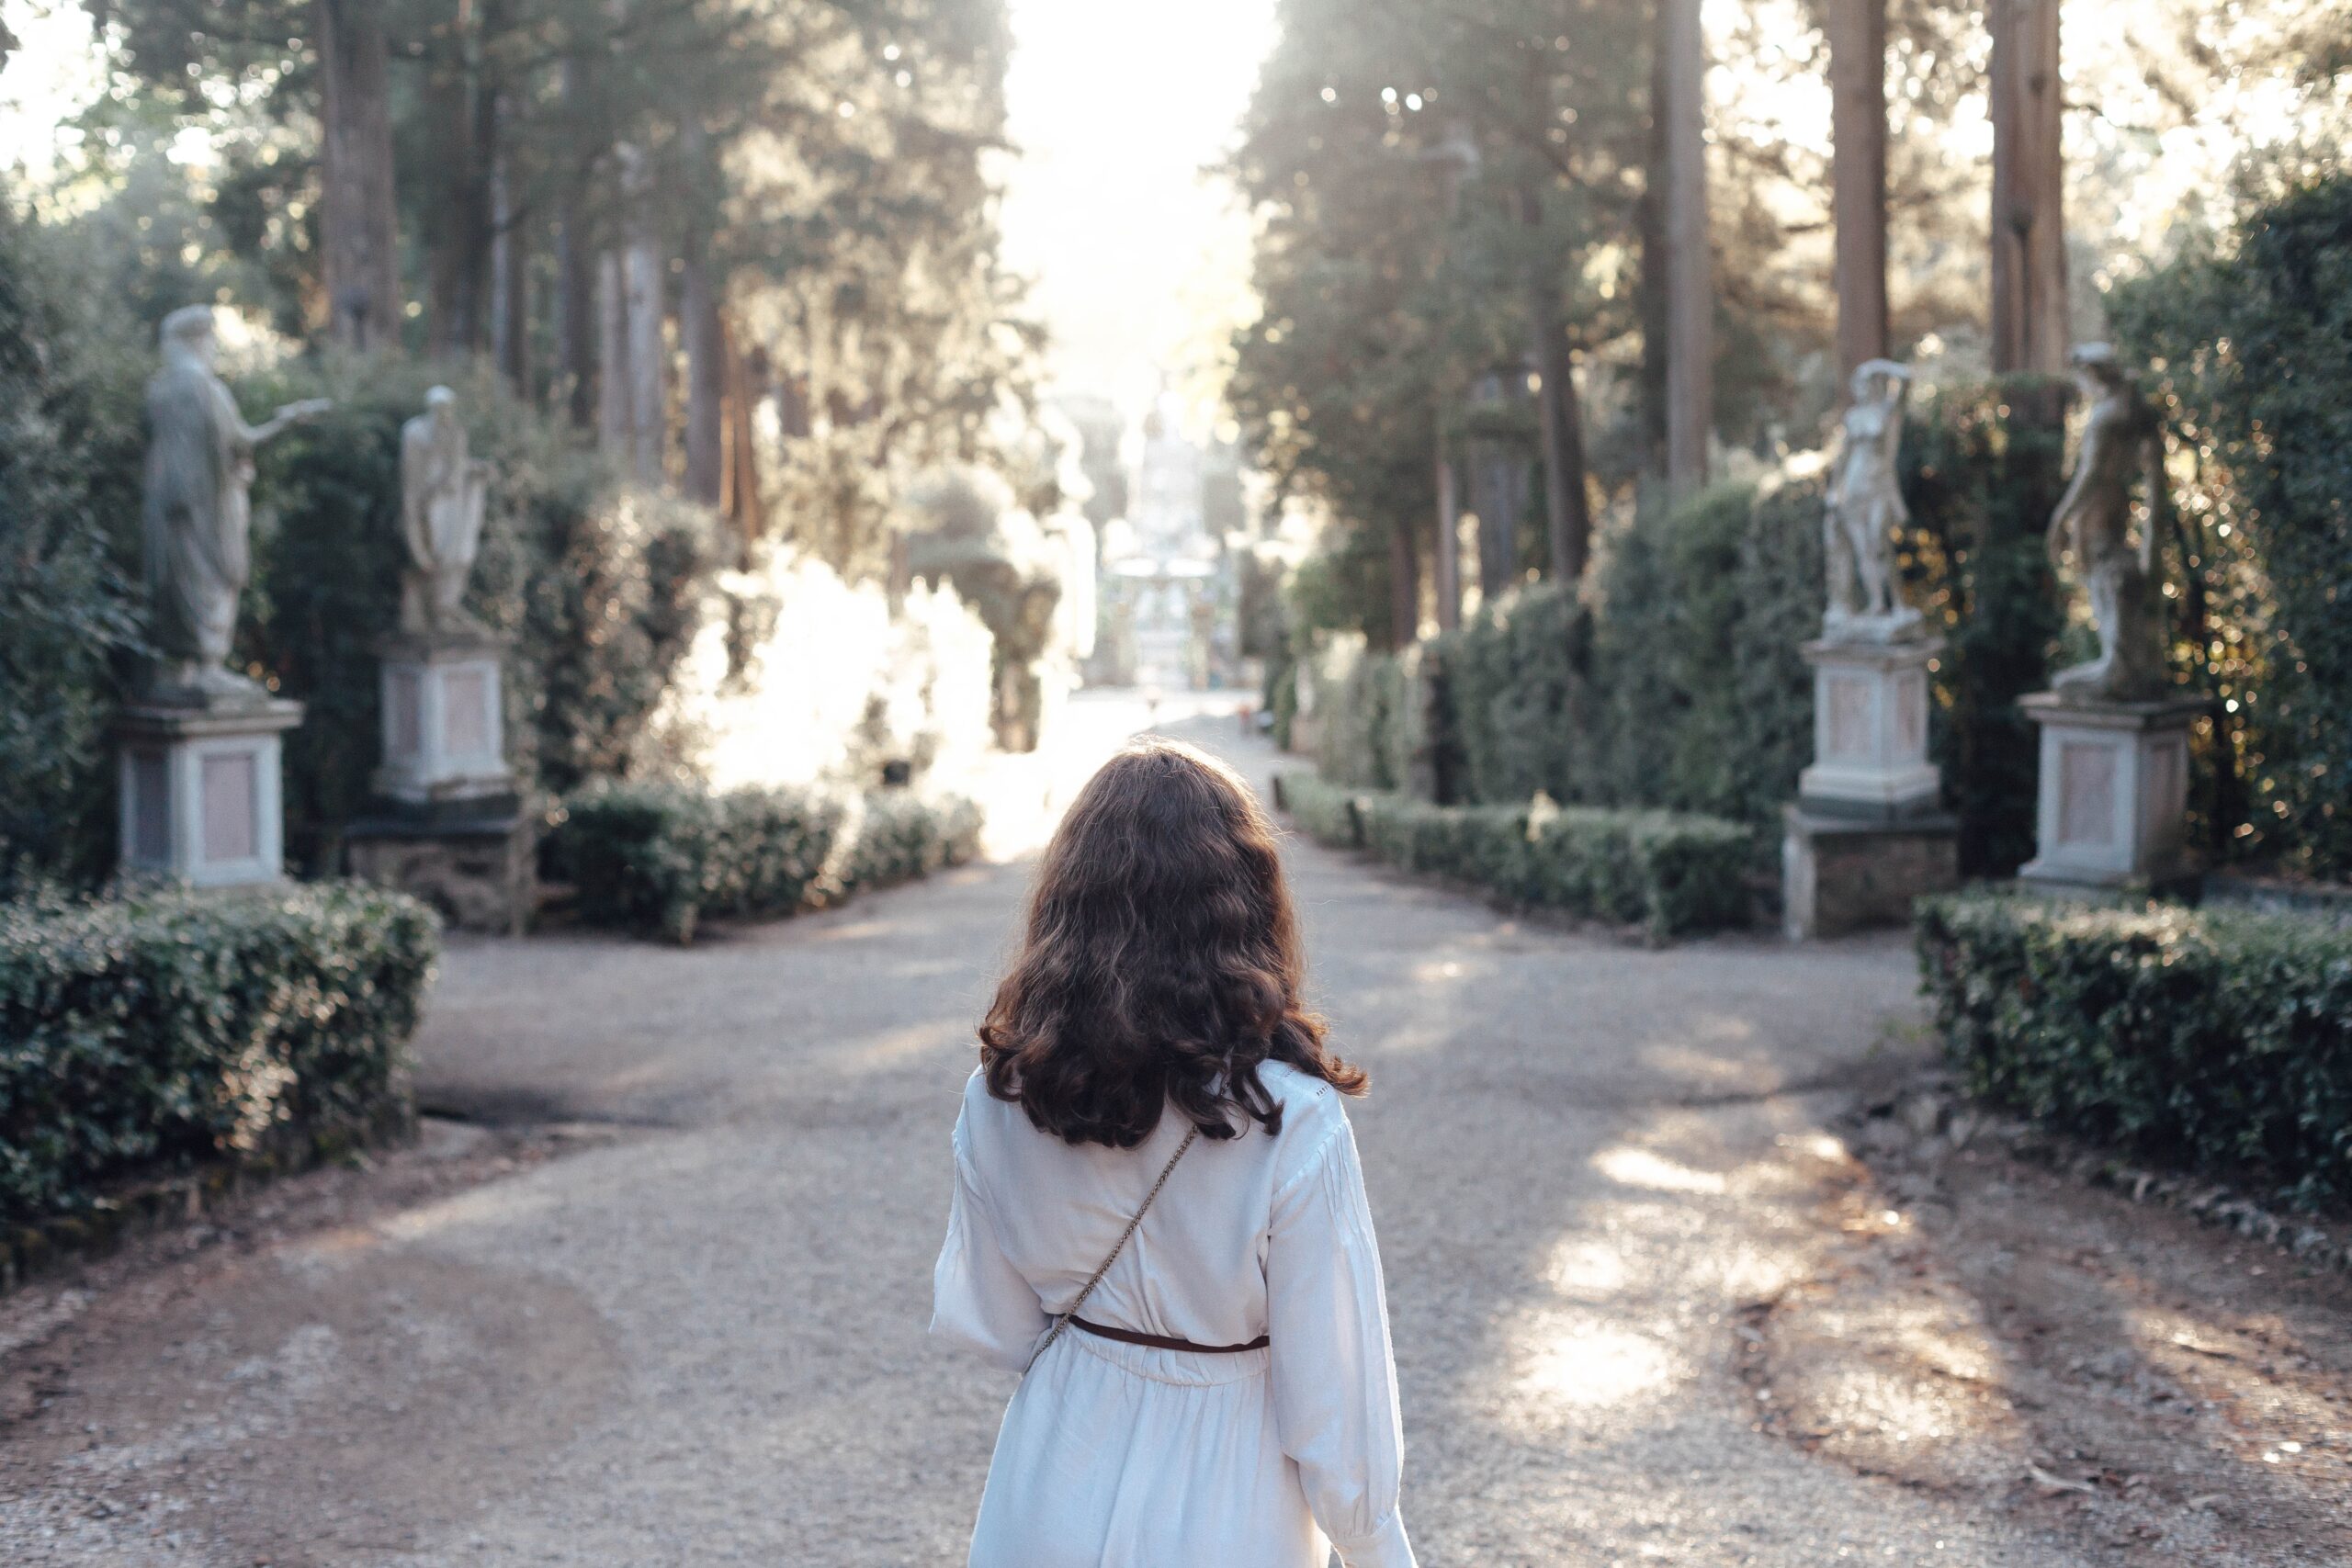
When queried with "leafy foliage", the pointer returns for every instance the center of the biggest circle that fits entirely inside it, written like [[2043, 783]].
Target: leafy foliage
[[658, 857], [67, 611], [167, 1028], [2252, 350], [2219, 1041], [1669, 872]]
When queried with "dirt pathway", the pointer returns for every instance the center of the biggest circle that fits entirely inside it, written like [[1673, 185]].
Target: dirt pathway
[[683, 1321]]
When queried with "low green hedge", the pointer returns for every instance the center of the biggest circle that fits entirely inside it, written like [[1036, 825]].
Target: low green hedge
[[2218, 1041], [658, 857], [168, 1028], [1670, 872]]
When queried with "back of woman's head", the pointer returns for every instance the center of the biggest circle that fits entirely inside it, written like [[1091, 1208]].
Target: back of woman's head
[[1160, 964]]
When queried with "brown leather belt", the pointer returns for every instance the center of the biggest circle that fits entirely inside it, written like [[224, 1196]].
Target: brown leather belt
[[1162, 1342]]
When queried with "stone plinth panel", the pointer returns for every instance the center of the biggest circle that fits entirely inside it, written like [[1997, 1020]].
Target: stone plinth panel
[[1870, 731], [2113, 805], [1842, 873], [444, 724], [202, 791]]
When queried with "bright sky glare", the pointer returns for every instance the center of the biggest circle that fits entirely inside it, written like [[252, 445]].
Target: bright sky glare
[[1141, 263]]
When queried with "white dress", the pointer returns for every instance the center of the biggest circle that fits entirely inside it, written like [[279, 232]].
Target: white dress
[[1123, 1455]]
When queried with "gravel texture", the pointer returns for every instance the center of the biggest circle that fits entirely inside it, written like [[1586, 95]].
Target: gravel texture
[[699, 1339]]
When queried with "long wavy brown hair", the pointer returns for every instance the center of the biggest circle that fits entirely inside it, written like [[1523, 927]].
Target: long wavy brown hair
[[1161, 963]]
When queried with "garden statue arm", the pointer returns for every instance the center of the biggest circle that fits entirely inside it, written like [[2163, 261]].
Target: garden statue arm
[[287, 414], [2062, 518]]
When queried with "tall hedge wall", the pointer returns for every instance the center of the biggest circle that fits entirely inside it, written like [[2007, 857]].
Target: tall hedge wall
[[2250, 349], [1672, 678]]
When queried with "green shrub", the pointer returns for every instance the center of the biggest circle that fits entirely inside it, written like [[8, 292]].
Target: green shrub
[[1326, 811], [2219, 1041], [1519, 703], [897, 835], [1670, 872], [656, 858], [167, 1028]]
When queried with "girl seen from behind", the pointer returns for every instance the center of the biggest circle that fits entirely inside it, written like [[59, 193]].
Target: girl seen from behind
[[1158, 1217]]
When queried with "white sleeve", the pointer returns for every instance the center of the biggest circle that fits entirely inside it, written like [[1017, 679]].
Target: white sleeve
[[978, 1300], [1334, 1382]]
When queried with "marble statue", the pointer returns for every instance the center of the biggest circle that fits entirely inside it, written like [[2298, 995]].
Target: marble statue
[[442, 491], [2122, 441], [197, 512], [1864, 507]]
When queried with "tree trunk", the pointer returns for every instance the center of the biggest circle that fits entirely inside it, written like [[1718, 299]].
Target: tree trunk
[[739, 493], [576, 320], [1448, 555], [464, 235], [1404, 586], [612, 424], [698, 323], [510, 298], [1650, 218], [706, 379], [643, 308], [358, 229], [1690, 262], [2028, 189], [1567, 516], [1858, 126]]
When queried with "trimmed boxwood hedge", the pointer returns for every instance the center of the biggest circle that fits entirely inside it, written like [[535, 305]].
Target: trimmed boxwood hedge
[[658, 857], [169, 1028], [2218, 1041], [1671, 873]]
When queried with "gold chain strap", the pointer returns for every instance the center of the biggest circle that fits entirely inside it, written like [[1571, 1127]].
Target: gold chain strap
[[1121, 1246]]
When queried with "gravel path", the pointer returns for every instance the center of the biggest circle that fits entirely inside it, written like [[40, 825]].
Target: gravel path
[[699, 1339]]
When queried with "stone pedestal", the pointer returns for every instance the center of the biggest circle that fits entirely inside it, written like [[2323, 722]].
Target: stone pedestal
[[2114, 796], [479, 872], [201, 790], [445, 741], [1841, 873], [1868, 833], [450, 830], [1870, 731]]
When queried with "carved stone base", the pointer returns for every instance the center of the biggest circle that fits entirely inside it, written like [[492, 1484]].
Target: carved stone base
[[1870, 731], [202, 791], [480, 873], [1840, 874], [444, 723], [2114, 798]]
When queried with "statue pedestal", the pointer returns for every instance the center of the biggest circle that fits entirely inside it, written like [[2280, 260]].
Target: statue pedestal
[[201, 790], [1870, 731], [445, 733], [451, 830], [1867, 834], [2114, 798]]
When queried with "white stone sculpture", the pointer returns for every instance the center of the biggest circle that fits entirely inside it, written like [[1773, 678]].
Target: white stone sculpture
[[443, 488], [1864, 509], [197, 512], [2122, 441]]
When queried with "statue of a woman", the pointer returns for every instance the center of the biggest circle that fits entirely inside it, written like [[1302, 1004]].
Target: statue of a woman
[[442, 491], [198, 513], [1864, 509], [2122, 440]]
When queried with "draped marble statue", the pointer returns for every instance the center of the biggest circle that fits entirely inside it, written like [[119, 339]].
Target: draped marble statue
[[2122, 442], [1864, 507], [197, 512], [443, 488]]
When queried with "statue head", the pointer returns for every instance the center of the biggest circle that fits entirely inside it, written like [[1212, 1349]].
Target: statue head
[[2097, 368], [441, 403], [187, 334]]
